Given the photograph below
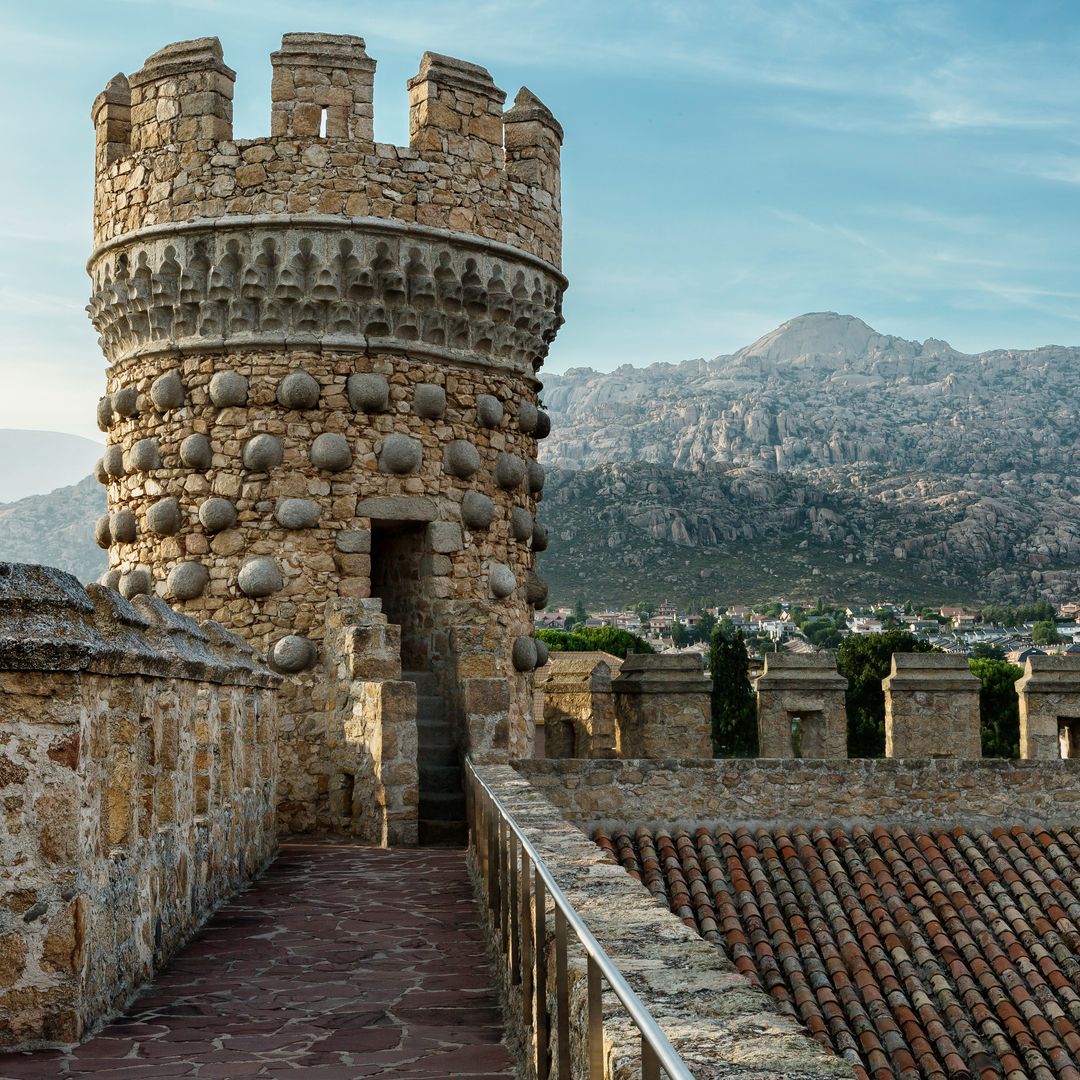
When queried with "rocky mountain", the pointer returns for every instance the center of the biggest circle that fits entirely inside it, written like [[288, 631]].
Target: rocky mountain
[[825, 444], [56, 529]]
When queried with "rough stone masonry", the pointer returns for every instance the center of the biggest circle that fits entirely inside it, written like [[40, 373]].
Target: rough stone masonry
[[322, 379]]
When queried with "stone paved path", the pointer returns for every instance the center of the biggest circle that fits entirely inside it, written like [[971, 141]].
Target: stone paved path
[[341, 962]]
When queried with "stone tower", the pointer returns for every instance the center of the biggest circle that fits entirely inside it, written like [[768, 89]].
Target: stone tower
[[322, 390]]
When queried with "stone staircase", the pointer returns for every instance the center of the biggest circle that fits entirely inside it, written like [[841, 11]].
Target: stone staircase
[[442, 792]]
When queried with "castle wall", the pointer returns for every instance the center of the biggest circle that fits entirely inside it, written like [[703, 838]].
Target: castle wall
[[314, 339], [138, 770], [756, 790]]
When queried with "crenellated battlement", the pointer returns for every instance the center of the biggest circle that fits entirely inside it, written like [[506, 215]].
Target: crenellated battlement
[[166, 152]]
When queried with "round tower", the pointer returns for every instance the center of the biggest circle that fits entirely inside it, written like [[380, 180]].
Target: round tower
[[322, 356]]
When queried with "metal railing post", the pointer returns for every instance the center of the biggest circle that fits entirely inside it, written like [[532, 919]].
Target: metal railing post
[[540, 1027], [596, 1022], [650, 1063], [562, 994], [515, 909], [526, 940]]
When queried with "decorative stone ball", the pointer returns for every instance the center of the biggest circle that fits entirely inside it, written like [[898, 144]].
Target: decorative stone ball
[[228, 389], [164, 517], [489, 410], [297, 513], [527, 416], [100, 474], [536, 589], [521, 523], [535, 477], [477, 510], [262, 453], [187, 581], [524, 654], [540, 537], [461, 458], [195, 452], [298, 390], [167, 392], [110, 579], [509, 471], [104, 413], [429, 401], [367, 392], [135, 583], [143, 456], [122, 526], [113, 460], [217, 514], [501, 580], [293, 653], [542, 654], [260, 577], [400, 454], [330, 451], [102, 532], [543, 424], [125, 402]]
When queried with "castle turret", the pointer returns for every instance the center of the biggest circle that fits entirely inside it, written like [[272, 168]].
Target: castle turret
[[322, 384]]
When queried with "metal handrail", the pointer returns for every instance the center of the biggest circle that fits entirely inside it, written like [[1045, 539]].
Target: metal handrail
[[521, 924]]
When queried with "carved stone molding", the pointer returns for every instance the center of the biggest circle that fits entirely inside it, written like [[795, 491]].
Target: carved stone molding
[[349, 283]]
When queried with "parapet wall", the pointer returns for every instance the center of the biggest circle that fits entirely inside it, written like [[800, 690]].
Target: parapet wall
[[166, 151], [138, 770], [733, 791]]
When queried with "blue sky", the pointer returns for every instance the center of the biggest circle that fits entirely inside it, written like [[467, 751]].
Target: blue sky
[[727, 165]]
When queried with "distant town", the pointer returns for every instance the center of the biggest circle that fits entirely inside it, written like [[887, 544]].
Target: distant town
[[997, 632]]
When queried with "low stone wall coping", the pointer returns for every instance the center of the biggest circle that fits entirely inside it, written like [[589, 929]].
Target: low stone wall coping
[[720, 1025], [49, 622]]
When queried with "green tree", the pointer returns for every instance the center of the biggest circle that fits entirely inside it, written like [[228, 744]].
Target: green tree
[[680, 636], [864, 660], [1044, 632], [999, 707], [581, 612], [607, 639], [984, 650], [734, 717]]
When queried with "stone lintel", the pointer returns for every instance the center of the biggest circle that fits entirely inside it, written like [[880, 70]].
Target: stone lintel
[[398, 508]]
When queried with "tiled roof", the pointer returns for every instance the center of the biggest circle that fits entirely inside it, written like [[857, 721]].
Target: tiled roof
[[910, 953]]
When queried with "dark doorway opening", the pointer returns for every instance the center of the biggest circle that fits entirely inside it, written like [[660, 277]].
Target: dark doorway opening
[[397, 579]]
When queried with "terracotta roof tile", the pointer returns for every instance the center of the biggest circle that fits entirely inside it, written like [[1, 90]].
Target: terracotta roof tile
[[912, 954]]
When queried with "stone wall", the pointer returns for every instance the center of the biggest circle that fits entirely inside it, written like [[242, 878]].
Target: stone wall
[[313, 339], [931, 707], [663, 705], [1050, 707], [800, 707], [138, 771], [579, 707], [719, 1025], [748, 791]]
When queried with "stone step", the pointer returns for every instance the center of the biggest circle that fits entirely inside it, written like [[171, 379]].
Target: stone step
[[432, 733], [442, 805], [430, 707], [443, 833], [439, 778], [440, 754], [424, 680]]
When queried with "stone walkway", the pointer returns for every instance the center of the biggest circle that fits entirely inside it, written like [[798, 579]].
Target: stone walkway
[[341, 962]]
